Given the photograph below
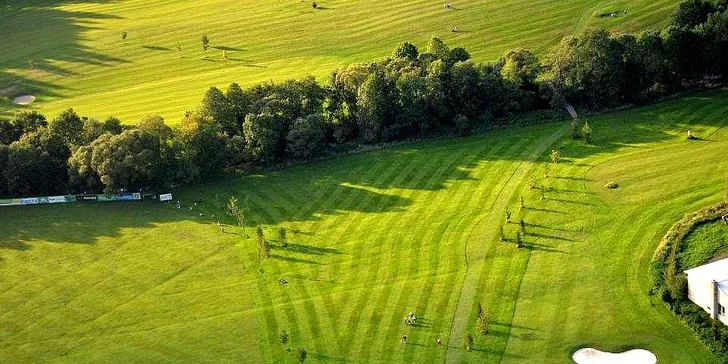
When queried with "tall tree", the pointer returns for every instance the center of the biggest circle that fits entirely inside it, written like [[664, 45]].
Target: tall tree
[[201, 148], [69, 127], [307, 136], [237, 211], [691, 13]]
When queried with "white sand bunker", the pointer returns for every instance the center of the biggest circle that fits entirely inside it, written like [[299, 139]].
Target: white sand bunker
[[24, 100], [594, 356]]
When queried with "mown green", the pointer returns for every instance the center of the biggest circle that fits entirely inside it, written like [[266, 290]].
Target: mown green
[[372, 237]]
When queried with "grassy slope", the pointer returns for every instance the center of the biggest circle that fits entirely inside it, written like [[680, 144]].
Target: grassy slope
[[375, 236], [705, 243], [82, 62]]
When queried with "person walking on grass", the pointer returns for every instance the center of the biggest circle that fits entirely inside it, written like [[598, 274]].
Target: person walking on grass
[[404, 339], [221, 226], [439, 342]]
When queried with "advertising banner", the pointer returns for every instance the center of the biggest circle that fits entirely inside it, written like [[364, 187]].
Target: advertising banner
[[43, 200], [10, 202], [29, 201], [86, 198], [165, 197], [56, 199], [122, 197]]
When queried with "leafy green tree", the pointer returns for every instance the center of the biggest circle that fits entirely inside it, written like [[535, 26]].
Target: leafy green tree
[[237, 211], [28, 121], [69, 127], [691, 13], [261, 136], [201, 148], [263, 246], [412, 105], [239, 103], [587, 68], [217, 106], [205, 42], [36, 165], [21, 170], [155, 125], [586, 131], [575, 129], [7, 132], [92, 129], [130, 160], [716, 29], [376, 104], [522, 227], [306, 137], [555, 156], [520, 67], [406, 50], [112, 125], [457, 54], [482, 325], [343, 90], [682, 50], [508, 216], [438, 48], [282, 236]]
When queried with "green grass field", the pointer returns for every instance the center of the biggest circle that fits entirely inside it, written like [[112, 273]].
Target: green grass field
[[706, 243], [81, 61], [374, 236]]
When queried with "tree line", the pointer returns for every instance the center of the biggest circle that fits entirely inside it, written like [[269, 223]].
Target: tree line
[[410, 94]]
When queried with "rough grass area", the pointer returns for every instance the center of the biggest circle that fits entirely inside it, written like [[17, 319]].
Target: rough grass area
[[371, 238], [71, 53], [706, 243]]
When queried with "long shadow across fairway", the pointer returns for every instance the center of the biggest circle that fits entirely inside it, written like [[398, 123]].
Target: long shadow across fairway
[[83, 223], [42, 32]]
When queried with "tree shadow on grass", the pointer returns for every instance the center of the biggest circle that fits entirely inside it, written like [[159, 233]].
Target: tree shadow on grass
[[293, 260], [229, 49], [155, 48], [308, 249], [79, 223], [47, 34]]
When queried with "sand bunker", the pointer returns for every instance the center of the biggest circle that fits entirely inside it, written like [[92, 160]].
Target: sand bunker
[[24, 100], [594, 356]]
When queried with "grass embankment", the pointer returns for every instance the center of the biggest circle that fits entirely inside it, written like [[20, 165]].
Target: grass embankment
[[372, 237], [706, 243], [80, 60]]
